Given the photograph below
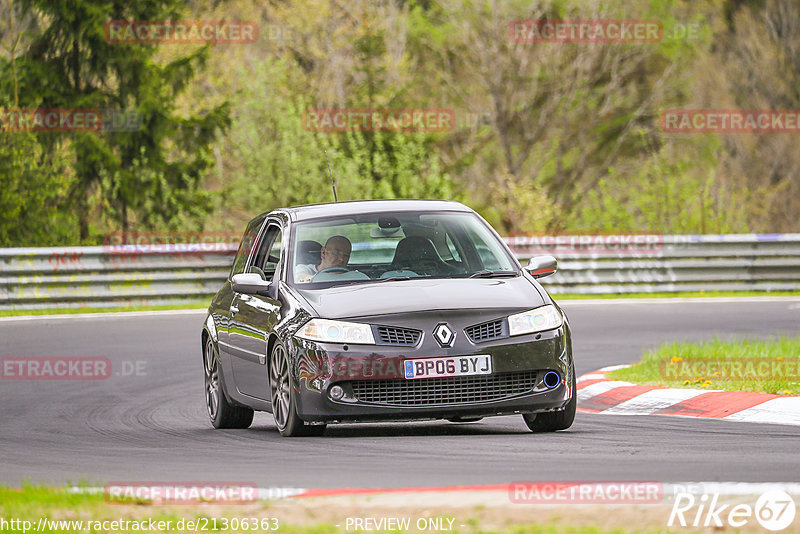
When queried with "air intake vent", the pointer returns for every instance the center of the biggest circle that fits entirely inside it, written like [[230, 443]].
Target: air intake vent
[[486, 331], [389, 335], [440, 391]]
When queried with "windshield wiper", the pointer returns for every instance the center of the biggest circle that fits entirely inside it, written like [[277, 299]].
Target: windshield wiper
[[394, 278], [492, 274]]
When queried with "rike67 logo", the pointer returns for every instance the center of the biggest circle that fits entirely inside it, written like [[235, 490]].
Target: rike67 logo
[[774, 510]]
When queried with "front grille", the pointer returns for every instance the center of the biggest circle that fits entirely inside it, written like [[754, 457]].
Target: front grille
[[485, 331], [440, 391], [389, 335]]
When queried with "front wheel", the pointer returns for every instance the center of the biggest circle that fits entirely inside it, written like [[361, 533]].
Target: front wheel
[[284, 410], [552, 421], [222, 413]]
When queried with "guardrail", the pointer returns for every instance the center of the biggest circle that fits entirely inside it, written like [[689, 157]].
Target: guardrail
[[605, 264], [32, 278]]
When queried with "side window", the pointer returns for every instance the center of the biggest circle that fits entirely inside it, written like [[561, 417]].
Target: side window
[[269, 252], [246, 245], [274, 256]]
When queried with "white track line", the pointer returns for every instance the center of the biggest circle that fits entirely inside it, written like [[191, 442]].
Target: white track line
[[730, 488], [591, 376], [653, 401], [784, 411], [599, 388], [613, 368]]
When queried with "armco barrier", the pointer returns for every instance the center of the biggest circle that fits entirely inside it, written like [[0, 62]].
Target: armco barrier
[[733, 262], [32, 278], [111, 276]]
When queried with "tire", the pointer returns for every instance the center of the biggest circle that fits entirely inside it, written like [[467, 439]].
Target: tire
[[284, 410], [552, 421], [464, 419], [222, 413]]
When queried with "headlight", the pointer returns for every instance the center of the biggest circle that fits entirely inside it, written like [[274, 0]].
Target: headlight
[[329, 331], [538, 320]]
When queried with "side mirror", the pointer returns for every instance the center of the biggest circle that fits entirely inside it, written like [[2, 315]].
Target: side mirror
[[250, 284], [541, 266]]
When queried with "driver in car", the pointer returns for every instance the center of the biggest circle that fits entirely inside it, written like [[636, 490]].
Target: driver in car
[[335, 253]]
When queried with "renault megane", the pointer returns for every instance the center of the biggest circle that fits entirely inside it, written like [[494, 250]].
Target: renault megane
[[384, 310]]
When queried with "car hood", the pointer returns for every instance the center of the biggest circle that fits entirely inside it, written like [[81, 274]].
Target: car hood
[[403, 296]]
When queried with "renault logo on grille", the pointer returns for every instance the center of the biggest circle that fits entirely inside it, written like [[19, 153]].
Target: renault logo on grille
[[444, 335]]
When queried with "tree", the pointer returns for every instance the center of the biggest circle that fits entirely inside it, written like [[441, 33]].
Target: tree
[[70, 64], [562, 114], [290, 168]]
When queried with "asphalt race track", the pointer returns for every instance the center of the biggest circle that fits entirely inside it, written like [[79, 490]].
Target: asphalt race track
[[151, 426]]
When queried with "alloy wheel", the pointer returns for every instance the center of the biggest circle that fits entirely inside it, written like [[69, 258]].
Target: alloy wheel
[[279, 386], [211, 379]]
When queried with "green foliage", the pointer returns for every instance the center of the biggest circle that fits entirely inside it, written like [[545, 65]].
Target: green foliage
[[676, 193], [31, 184], [291, 168], [150, 177], [549, 136]]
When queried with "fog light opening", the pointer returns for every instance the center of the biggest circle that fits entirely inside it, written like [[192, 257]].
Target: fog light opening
[[552, 379], [337, 392]]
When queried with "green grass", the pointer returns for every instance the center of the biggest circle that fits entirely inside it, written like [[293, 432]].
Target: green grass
[[191, 305], [766, 366], [31, 503], [680, 294]]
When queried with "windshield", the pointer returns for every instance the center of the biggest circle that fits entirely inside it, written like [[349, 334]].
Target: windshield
[[390, 246]]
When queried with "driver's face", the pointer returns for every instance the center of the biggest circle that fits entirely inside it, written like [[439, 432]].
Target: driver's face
[[335, 254]]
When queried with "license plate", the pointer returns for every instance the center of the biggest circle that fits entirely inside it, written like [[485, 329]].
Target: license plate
[[444, 367]]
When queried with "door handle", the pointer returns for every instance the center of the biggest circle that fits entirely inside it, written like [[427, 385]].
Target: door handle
[[234, 310]]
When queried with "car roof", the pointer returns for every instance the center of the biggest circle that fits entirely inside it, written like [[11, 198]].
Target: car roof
[[357, 207]]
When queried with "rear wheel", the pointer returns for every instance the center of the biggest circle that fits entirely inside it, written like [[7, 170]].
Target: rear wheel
[[283, 402], [222, 413], [552, 421]]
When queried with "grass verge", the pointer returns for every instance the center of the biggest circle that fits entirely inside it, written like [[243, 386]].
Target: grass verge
[[42, 510], [191, 305], [765, 366]]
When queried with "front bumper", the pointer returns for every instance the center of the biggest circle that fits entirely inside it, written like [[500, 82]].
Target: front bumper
[[375, 388]]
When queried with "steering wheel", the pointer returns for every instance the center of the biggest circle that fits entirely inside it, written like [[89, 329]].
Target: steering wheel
[[332, 270]]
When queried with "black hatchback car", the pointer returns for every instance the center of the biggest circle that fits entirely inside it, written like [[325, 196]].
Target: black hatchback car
[[384, 310]]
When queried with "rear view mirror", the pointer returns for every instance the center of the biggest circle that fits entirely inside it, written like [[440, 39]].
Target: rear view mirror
[[541, 266], [249, 284]]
